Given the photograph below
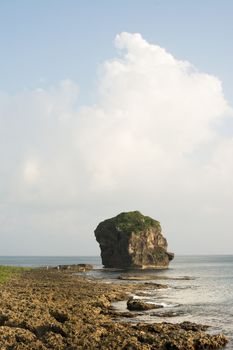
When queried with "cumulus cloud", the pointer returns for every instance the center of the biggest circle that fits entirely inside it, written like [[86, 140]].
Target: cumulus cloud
[[150, 143]]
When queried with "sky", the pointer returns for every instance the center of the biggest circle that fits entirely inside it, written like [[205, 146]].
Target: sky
[[115, 106]]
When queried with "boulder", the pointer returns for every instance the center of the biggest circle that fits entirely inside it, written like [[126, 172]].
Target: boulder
[[132, 240], [140, 305]]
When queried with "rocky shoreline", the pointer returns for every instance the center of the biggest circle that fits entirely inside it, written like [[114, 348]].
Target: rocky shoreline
[[55, 309]]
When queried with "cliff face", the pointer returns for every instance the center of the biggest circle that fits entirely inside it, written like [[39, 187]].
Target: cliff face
[[132, 240]]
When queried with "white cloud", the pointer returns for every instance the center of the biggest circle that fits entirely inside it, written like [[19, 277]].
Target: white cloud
[[149, 143], [155, 111]]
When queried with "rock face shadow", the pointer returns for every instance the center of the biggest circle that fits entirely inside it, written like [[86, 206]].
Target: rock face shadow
[[59, 316], [42, 330]]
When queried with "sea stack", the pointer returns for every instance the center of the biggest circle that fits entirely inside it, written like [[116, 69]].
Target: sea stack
[[132, 240]]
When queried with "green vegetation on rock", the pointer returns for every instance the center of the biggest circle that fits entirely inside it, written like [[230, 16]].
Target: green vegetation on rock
[[7, 272], [134, 221]]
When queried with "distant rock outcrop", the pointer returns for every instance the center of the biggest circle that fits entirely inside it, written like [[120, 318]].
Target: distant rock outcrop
[[132, 240]]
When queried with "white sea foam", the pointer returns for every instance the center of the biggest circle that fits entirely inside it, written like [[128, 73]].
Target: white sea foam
[[149, 300]]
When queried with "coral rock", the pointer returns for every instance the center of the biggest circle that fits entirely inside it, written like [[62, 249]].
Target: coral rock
[[132, 240]]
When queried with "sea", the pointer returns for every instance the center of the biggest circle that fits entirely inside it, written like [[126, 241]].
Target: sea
[[200, 288]]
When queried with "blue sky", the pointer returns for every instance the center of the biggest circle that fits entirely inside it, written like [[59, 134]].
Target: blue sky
[[54, 40], [97, 118]]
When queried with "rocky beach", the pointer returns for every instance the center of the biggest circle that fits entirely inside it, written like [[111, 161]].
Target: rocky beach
[[58, 309]]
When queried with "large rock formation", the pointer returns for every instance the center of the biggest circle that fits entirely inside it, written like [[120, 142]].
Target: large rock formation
[[132, 240]]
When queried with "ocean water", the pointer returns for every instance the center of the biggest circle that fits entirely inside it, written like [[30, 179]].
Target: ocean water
[[39, 261], [201, 291], [205, 297]]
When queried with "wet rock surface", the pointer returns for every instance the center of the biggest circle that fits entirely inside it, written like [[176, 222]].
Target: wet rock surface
[[150, 277], [74, 267], [140, 305], [167, 314], [51, 309], [132, 240]]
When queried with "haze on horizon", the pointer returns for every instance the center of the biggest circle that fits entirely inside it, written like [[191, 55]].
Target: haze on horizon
[[110, 108]]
